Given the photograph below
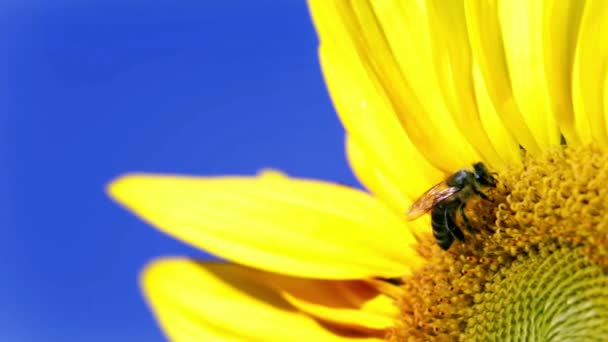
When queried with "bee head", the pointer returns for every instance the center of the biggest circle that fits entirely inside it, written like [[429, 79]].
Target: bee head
[[483, 176]]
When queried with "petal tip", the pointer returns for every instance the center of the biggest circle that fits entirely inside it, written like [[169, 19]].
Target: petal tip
[[272, 174], [121, 187], [158, 269]]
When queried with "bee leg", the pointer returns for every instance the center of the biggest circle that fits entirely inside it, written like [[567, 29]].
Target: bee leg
[[465, 218], [452, 226], [481, 194]]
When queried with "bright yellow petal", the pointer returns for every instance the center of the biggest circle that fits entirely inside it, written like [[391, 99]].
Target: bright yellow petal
[[195, 301], [524, 27], [590, 67], [560, 28], [373, 178], [370, 120], [485, 38], [289, 226], [377, 182], [606, 95], [502, 139], [383, 53], [453, 63]]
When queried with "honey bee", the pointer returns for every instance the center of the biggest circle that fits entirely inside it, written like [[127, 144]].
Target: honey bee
[[449, 198]]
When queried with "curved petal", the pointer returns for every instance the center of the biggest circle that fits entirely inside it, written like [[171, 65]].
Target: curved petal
[[503, 140], [290, 226], [453, 63], [561, 26], [590, 68], [384, 51], [485, 38], [606, 95], [370, 120], [377, 182], [373, 178], [353, 304], [195, 301], [528, 50]]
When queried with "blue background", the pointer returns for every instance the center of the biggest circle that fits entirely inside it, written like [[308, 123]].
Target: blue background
[[93, 89]]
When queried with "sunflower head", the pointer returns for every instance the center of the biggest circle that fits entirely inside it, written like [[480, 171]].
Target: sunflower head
[[533, 264]]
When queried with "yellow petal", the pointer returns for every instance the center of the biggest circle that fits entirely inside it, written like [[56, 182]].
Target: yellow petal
[[373, 178], [530, 51], [561, 25], [368, 118], [381, 55], [485, 38], [606, 95], [289, 226], [272, 174], [353, 304], [502, 139], [378, 183], [452, 61], [196, 301], [590, 67]]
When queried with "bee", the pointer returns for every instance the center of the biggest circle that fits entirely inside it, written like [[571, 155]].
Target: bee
[[449, 198]]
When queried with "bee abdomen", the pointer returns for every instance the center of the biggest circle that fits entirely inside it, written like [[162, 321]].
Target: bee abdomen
[[443, 221]]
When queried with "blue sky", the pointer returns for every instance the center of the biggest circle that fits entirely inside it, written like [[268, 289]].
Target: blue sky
[[92, 89]]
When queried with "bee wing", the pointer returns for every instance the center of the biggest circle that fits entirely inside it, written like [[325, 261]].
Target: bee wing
[[429, 199]]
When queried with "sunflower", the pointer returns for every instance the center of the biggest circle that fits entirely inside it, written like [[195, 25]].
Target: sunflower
[[423, 88]]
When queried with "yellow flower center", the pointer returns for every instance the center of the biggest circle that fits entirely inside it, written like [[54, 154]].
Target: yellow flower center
[[534, 262]]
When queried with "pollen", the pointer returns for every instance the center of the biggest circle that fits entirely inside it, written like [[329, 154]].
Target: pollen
[[533, 264]]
